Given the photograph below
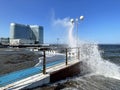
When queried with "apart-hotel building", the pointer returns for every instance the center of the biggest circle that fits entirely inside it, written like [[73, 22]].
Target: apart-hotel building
[[25, 34]]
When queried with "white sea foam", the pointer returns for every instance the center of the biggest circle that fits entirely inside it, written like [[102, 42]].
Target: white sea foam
[[90, 55]]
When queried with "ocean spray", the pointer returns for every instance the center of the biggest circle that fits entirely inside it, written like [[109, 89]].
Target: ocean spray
[[91, 57]]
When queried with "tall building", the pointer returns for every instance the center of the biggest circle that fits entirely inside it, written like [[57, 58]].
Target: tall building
[[38, 33], [26, 34]]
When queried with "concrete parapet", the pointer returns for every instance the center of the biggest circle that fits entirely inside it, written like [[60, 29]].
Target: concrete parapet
[[65, 72]]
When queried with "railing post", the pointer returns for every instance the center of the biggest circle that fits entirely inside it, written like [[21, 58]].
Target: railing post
[[44, 62], [78, 53], [66, 57]]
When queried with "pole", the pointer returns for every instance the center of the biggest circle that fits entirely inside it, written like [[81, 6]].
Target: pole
[[78, 53], [66, 57], [57, 41], [44, 62], [76, 32]]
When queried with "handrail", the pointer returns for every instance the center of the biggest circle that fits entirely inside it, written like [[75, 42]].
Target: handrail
[[66, 54]]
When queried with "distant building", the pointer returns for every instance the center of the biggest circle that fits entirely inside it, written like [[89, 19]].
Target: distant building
[[21, 41], [4, 41], [25, 34]]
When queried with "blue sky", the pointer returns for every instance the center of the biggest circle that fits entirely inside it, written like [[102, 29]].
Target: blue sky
[[101, 23]]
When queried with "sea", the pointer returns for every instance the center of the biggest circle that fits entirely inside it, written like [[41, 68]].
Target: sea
[[101, 70]]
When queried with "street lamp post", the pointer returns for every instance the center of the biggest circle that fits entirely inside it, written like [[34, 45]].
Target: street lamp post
[[76, 21], [58, 41]]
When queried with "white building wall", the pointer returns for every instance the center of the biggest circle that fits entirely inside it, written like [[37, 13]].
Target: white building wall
[[21, 41]]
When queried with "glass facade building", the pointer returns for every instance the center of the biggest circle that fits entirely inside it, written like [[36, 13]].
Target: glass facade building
[[38, 33], [28, 32]]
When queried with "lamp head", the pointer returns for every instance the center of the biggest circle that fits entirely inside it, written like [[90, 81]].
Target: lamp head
[[72, 20], [81, 17]]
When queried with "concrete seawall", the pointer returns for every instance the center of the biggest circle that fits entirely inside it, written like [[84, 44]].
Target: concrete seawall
[[65, 72]]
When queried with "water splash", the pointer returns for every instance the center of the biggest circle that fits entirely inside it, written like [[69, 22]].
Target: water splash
[[69, 27], [90, 55], [72, 40], [91, 58]]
